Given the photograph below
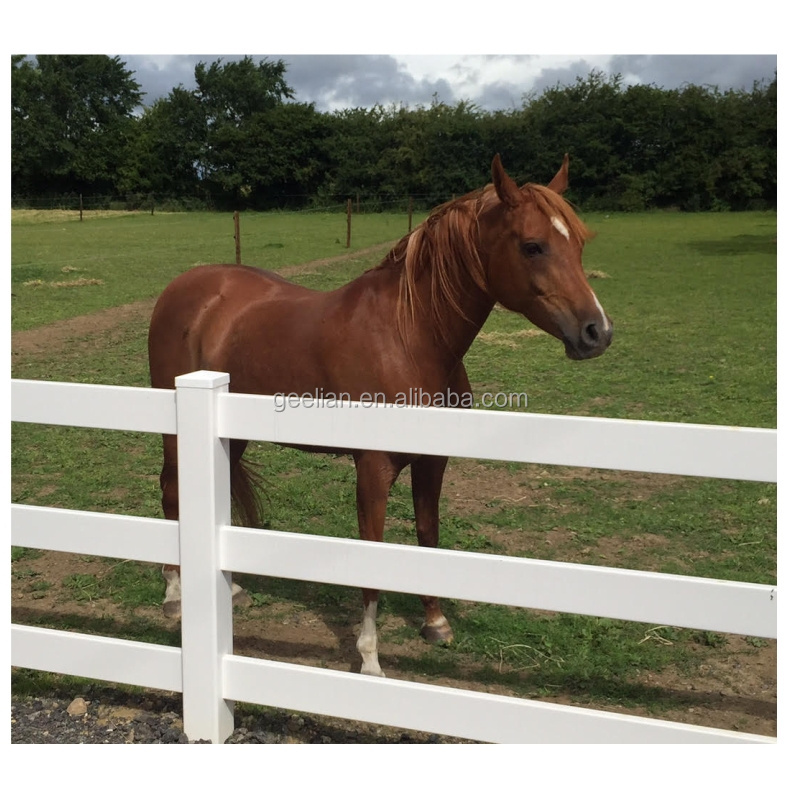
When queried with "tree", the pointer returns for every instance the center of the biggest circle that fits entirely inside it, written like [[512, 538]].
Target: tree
[[231, 95], [237, 140], [401, 158], [746, 166], [25, 134], [71, 119], [456, 156], [233, 91], [354, 146], [164, 155], [585, 120], [283, 156]]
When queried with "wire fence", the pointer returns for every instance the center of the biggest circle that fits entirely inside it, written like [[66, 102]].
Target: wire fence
[[359, 203]]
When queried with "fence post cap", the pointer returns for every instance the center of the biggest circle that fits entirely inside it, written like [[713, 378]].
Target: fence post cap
[[202, 379]]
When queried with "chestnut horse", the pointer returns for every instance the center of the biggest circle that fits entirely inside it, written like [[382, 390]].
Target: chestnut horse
[[406, 323]]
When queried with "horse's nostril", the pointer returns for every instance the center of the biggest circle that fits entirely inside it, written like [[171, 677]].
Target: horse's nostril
[[590, 333]]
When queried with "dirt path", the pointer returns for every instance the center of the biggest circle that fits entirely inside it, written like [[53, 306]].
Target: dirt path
[[57, 336]]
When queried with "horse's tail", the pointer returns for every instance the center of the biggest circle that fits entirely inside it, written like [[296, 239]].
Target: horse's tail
[[246, 493]]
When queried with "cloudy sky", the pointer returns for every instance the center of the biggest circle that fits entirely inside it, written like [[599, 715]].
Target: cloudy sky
[[315, 39], [493, 82]]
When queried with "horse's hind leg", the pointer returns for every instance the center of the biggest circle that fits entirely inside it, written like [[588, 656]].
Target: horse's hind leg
[[375, 475], [171, 605], [427, 473]]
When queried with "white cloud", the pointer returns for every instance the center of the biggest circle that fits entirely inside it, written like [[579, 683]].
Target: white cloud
[[492, 81]]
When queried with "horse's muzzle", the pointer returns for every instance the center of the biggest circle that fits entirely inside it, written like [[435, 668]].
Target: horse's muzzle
[[592, 341]]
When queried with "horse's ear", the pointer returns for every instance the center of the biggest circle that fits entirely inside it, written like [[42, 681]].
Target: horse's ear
[[561, 181], [506, 189]]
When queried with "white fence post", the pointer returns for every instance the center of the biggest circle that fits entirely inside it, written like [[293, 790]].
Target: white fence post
[[204, 493]]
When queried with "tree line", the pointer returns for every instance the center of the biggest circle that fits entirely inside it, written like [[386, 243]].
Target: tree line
[[239, 140]]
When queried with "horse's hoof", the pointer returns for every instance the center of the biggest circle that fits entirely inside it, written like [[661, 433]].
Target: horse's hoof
[[171, 609], [437, 634], [377, 673], [240, 598]]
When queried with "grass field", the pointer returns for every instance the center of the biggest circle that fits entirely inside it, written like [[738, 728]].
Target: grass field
[[131, 256], [693, 298]]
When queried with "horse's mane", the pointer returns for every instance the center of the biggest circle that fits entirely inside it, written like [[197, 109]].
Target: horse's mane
[[446, 244]]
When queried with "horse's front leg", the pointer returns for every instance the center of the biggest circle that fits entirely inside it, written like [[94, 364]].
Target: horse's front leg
[[375, 475], [427, 473]]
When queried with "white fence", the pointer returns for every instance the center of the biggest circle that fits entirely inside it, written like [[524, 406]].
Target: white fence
[[205, 416]]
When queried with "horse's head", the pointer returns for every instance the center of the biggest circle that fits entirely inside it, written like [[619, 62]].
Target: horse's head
[[533, 242]]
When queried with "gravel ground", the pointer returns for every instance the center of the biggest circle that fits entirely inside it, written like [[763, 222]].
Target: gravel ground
[[111, 716]]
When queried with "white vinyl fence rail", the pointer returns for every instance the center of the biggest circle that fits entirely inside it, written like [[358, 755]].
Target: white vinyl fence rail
[[205, 416]]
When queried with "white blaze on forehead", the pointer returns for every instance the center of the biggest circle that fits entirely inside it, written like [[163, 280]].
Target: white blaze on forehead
[[559, 225]]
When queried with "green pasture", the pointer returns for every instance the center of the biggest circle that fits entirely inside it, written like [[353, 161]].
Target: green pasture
[[112, 259], [693, 299]]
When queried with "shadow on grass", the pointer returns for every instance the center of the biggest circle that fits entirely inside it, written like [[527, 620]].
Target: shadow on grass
[[737, 245], [591, 692], [131, 627], [338, 608]]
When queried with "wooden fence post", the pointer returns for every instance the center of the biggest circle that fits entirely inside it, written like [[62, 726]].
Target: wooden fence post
[[349, 219], [410, 211], [80, 217], [236, 237], [206, 606]]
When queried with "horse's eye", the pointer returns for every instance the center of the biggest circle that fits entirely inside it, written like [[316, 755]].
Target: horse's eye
[[531, 249]]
